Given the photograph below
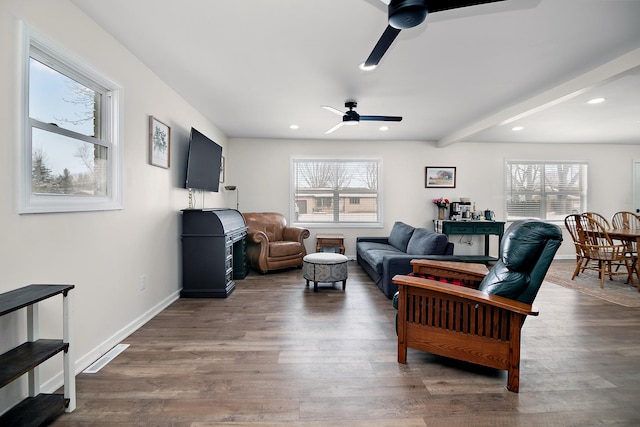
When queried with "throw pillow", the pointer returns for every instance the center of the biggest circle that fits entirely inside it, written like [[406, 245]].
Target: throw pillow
[[400, 235], [425, 242]]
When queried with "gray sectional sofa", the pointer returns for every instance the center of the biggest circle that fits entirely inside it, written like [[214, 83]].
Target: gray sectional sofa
[[384, 257]]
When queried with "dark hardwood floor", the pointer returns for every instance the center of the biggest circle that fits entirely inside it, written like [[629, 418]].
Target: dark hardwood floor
[[277, 354]]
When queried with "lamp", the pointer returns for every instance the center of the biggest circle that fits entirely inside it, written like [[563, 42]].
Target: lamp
[[234, 188]]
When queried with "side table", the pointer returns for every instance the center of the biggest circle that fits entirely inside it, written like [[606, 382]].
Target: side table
[[330, 241]]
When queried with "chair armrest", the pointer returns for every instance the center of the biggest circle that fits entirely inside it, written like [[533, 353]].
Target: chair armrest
[[466, 293], [450, 269], [295, 234], [257, 236]]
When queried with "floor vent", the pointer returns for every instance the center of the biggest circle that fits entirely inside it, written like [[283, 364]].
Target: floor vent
[[106, 358]]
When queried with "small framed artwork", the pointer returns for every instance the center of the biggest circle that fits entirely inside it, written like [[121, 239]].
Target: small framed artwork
[[159, 143], [440, 177], [222, 169]]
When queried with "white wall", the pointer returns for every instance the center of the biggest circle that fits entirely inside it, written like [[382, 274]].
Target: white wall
[[102, 253], [480, 169]]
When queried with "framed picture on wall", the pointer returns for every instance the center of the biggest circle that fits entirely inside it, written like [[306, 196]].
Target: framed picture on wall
[[222, 169], [440, 177], [159, 143]]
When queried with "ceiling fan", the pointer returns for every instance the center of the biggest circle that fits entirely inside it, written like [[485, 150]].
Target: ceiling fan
[[405, 14], [351, 117]]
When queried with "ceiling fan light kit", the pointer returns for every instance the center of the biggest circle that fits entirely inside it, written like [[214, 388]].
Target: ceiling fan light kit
[[405, 14]]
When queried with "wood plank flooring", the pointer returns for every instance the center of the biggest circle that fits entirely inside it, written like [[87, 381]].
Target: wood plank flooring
[[277, 354]]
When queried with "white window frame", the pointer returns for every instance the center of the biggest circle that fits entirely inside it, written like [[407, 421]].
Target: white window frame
[[334, 224], [542, 193], [111, 124]]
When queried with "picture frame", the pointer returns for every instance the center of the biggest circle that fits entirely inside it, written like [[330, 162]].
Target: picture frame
[[440, 177], [159, 143], [222, 169]]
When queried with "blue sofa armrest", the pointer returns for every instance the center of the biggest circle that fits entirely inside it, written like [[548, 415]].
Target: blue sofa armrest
[[449, 249], [401, 264]]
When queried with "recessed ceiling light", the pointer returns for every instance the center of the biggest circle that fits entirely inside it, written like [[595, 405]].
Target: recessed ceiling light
[[384, 128], [294, 127], [595, 101], [367, 67], [517, 128]]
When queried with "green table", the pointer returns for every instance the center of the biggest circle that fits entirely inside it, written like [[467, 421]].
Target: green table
[[473, 228]]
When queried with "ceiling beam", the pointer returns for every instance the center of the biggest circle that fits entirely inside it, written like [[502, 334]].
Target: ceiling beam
[[600, 75]]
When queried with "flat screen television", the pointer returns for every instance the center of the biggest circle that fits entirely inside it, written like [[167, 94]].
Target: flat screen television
[[203, 163]]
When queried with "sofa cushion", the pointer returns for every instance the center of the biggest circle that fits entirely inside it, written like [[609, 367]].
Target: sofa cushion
[[284, 248], [425, 242], [373, 253], [400, 235]]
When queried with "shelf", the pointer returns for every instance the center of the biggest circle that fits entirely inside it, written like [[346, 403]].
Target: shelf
[[40, 408], [28, 295], [27, 356], [35, 411]]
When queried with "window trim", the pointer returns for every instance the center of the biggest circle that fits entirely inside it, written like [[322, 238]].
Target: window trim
[[292, 193], [508, 162], [112, 130]]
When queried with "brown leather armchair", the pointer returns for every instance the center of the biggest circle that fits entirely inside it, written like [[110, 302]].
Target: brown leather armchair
[[271, 245]]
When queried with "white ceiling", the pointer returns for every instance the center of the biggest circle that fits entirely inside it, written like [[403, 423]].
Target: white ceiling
[[471, 74]]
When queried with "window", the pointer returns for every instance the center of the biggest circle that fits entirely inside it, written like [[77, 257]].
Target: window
[[70, 154], [330, 192], [545, 190]]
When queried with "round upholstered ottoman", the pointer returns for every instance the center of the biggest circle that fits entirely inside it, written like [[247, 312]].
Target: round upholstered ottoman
[[325, 267]]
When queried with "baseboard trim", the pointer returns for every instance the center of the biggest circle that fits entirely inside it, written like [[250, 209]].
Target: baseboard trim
[[96, 353]]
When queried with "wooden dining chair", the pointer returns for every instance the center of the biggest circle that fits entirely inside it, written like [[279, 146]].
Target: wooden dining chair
[[599, 246], [598, 217], [630, 221], [574, 226], [625, 220]]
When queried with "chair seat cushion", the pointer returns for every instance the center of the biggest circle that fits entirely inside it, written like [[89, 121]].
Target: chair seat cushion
[[282, 248]]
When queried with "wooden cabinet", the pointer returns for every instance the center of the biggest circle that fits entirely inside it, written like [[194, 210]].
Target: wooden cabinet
[[213, 252], [38, 408]]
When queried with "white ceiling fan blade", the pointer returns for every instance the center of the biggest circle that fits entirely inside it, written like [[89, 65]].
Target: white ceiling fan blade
[[334, 128], [333, 110]]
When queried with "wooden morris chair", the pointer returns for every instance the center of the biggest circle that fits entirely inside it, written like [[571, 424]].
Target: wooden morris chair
[[271, 244], [482, 325]]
